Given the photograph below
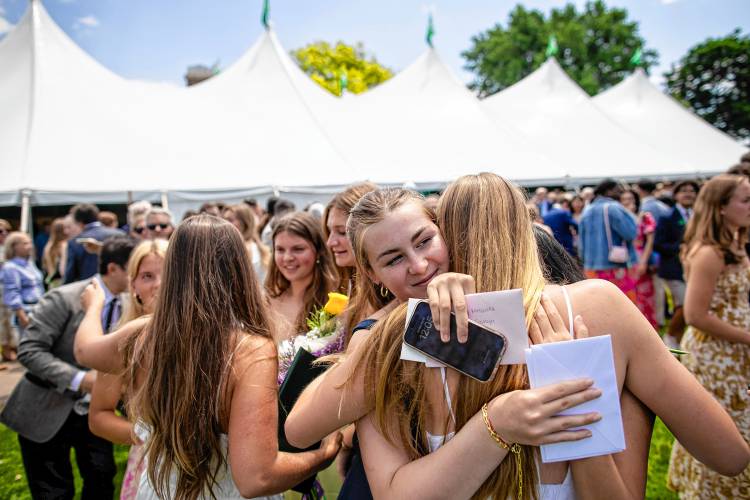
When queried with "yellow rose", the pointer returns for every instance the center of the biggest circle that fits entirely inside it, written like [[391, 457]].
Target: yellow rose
[[336, 304]]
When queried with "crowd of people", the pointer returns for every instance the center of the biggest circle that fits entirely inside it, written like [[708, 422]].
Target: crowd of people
[[165, 337]]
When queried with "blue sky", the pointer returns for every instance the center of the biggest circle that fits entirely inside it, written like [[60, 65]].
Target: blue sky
[[158, 39]]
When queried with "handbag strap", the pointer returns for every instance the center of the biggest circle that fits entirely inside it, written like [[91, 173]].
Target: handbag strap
[[606, 226]]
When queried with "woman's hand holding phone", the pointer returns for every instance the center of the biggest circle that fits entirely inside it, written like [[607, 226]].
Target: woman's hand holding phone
[[530, 416], [445, 292]]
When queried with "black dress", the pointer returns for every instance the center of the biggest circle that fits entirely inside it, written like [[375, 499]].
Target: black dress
[[355, 485]]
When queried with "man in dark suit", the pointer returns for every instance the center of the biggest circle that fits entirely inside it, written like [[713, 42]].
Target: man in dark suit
[[48, 407], [670, 230], [81, 264]]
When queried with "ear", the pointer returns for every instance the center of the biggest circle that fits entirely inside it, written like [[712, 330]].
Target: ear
[[372, 277]]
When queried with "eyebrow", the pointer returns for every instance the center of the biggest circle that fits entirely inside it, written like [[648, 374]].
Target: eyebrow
[[414, 238]]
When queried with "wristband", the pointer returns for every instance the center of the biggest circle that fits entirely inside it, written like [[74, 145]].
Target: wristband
[[514, 448]]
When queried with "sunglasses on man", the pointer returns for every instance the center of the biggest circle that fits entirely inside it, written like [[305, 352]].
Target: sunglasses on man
[[162, 227]]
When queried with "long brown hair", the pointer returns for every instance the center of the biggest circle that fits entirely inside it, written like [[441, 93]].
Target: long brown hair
[[345, 201], [208, 303], [486, 226], [249, 230], [324, 272], [707, 227], [53, 249], [372, 208]]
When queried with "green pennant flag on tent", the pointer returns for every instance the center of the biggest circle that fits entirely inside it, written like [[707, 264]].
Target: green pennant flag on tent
[[264, 16], [430, 31], [551, 47], [637, 57]]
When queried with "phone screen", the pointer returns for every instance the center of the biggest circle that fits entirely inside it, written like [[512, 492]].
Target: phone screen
[[477, 357]]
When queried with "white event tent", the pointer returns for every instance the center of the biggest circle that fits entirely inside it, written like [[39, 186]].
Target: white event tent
[[424, 126], [71, 130], [559, 116], [656, 118]]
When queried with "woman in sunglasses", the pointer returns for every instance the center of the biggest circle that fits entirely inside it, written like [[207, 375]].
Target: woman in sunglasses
[[159, 224]]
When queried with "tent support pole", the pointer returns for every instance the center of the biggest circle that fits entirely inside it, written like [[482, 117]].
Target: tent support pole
[[164, 200], [25, 211]]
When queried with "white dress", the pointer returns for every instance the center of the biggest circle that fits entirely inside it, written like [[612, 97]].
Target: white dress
[[225, 488]]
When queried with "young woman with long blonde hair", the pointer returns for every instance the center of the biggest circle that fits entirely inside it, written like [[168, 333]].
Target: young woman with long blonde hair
[[144, 270], [364, 303], [203, 371], [487, 232], [413, 255], [717, 272]]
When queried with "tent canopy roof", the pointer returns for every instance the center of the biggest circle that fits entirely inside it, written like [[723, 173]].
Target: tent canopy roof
[[656, 118]]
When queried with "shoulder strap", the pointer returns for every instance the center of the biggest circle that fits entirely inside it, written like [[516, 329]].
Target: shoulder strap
[[606, 226], [570, 309]]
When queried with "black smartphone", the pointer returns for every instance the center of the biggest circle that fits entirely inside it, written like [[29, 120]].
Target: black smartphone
[[477, 358]]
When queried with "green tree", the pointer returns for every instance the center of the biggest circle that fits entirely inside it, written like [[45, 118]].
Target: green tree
[[341, 67], [595, 47], [713, 79]]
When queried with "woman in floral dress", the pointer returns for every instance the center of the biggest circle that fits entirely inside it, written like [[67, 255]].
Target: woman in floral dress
[[718, 312]]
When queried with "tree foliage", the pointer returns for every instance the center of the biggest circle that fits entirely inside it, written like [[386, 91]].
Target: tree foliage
[[341, 67], [713, 78], [595, 47]]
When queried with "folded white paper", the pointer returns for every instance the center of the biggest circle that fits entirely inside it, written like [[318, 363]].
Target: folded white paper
[[590, 357], [501, 311]]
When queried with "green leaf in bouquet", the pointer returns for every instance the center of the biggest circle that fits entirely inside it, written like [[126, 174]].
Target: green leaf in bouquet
[[678, 352]]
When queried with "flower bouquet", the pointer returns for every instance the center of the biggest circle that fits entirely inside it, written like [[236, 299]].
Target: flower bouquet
[[324, 337]]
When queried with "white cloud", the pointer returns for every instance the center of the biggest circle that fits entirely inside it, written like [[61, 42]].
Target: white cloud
[[86, 21], [668, 2]]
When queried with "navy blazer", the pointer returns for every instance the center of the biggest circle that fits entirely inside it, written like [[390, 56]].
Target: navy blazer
[[80, 264], [669, 233]]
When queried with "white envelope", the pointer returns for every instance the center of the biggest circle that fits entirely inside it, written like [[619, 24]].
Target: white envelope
[[590, 357], [503, 312]]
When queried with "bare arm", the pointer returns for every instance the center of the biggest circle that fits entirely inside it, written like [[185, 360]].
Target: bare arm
[[625, 472], [102, 418], [91, 347], [460, 466], [326, 405], [705, 267], [258, 468], [656, 378]]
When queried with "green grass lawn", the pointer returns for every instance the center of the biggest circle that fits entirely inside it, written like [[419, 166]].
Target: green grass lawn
[[13, 481]]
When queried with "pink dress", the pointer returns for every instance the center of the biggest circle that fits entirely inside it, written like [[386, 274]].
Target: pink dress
[[644, 285], [133, 472]]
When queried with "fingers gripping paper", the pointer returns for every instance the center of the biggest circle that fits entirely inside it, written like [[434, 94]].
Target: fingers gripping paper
[[590, 357], [502, 311]]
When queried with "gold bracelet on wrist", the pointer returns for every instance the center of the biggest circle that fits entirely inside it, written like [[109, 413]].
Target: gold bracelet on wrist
[[514, 448]]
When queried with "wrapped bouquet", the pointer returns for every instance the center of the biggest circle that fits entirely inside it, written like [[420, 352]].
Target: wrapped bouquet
[[324, 337]]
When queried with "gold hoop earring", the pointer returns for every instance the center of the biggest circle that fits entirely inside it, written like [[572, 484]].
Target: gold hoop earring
[[384, 291]]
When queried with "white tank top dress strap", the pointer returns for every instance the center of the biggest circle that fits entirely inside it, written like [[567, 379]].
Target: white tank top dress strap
[[569, 307]]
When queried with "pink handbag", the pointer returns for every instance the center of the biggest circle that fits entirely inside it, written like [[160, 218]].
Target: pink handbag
[[617, 254]]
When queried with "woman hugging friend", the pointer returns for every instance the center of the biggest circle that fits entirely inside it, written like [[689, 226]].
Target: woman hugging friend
[[486, 234]]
